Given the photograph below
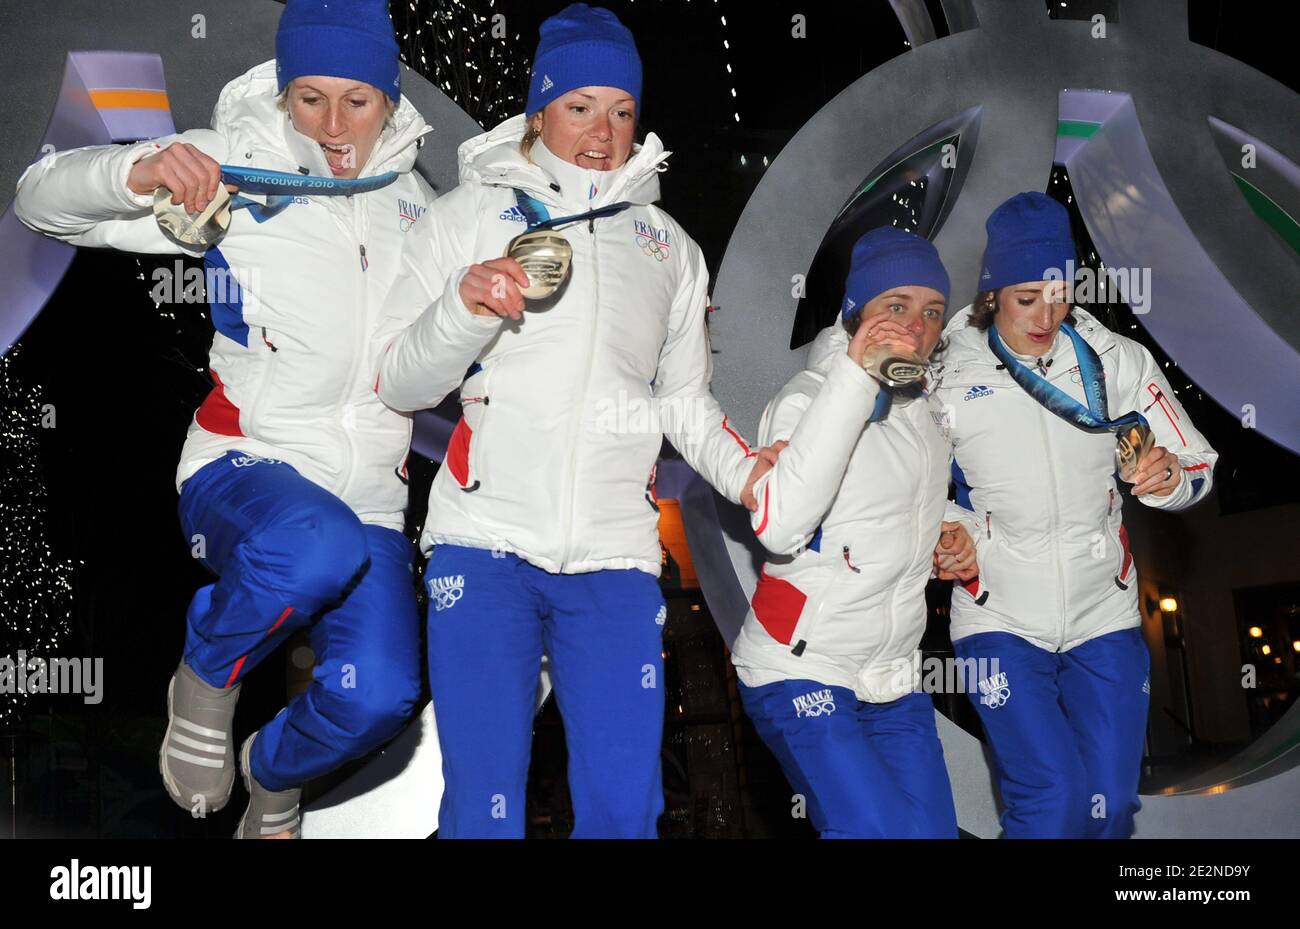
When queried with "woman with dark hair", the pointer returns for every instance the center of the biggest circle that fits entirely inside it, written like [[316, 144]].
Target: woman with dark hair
[[852, 514], [1044, 404]]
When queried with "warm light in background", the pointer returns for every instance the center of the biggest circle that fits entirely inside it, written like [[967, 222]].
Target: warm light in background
[[1296, 645], [1256, 632], [673, 534], [1267, 649], [1168, 605]]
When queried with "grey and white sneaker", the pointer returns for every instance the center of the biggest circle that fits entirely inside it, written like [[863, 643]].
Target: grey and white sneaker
[[269, 812], [197, 757]]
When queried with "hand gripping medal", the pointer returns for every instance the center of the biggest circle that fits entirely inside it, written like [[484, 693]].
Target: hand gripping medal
[[199, 229], [544, 254], [205, 228], [1132, 443]]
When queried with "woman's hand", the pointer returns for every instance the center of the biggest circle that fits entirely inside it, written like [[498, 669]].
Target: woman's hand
[[1158, 472], [767, 456], [492, 288], [954, 556], [190, 175], [881, 330]]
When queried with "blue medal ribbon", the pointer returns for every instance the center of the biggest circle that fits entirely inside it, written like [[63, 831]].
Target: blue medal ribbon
[[280, 187], [540, 218], [884, 402], [1093, 417]]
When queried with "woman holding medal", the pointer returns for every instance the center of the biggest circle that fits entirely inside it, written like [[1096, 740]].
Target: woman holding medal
[[852, 514], [1044, 404], [542, 521], [290, 480]]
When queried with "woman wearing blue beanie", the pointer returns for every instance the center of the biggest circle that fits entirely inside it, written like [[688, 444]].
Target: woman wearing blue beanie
[[542, 526], [291, 480], [1046, 404], [853, 514]]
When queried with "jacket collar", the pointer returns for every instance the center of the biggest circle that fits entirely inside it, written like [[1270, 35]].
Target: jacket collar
[[969, 346], [578, 186], [493, 159]]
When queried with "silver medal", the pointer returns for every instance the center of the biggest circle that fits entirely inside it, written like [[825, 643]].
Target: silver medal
[[545, 257], [1130, 445], [893, 366], [201, 229]]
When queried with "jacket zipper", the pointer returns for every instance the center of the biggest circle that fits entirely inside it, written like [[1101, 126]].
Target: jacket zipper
[[268, 375], [359, 351], [917, 546], [1055, 511], [582, 400], [476, 441]]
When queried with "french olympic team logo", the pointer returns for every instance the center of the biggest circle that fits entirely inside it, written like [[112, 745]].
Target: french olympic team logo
[[408, 213], [816, 703], [444, 592], [247, 461], [995, 691], [653, 241]]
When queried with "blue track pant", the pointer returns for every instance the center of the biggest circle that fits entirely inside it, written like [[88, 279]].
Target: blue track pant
[[289, 554], [490, 620], [1066, 731], [866, 770]]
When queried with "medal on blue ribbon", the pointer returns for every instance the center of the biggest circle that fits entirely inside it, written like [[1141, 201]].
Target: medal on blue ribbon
[[1133, 434], [205, 228], [544, 254]]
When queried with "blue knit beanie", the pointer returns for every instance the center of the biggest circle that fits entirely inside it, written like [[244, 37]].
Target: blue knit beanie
[[1028, 240], [889, 257], [583, 46], [338, 38]]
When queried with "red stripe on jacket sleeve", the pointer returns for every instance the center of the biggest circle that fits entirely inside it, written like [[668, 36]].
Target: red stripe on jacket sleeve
[[749, 452]]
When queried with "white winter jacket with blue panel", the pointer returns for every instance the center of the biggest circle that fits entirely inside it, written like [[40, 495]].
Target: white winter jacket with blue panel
[[294, 352]]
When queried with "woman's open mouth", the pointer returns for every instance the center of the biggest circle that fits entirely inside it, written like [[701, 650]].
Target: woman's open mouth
[[341, 156], [595, 159]]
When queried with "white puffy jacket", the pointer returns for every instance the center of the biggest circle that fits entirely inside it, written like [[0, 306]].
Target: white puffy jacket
[[1039, 493], [564, 413], [852, 515], [294, 354]]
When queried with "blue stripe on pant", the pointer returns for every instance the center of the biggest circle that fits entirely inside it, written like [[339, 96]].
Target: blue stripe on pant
[[491, 617], [1066, 733], [289, 554], [867, 770]]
